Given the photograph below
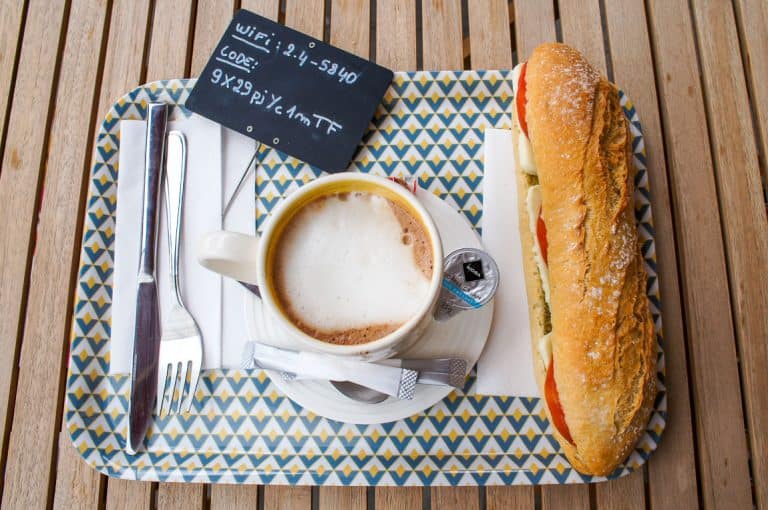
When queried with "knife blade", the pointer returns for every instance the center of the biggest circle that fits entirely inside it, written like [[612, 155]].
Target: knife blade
[[146, 336]]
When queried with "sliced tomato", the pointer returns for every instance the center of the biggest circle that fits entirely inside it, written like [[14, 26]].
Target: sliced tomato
[[541, 234], [521, 99], [553, 401]]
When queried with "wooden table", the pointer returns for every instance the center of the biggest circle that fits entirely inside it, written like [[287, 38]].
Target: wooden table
[[698, 74]]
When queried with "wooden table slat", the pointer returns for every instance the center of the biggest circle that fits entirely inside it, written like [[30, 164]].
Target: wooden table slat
[[582, 28], [11, 17], [169, 48], [581, 25], [752, 18], [722, 452], [395, 28], [442, 47], [350, 31], [441, 34], [671, 466], [267, 8], [398, 498], [19, 182], [170, 40], [535, 24], [307, 16], [122, 72], [30, 475], [122, 494], [240, 497], [78, 485], [224, 497], [490, 47], [211, 19], [287, 498], [698, 75], [181, 496], [743, 215], [396, 34], [570, 497]]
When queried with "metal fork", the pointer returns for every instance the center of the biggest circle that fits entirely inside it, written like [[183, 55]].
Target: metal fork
[[181, 346]]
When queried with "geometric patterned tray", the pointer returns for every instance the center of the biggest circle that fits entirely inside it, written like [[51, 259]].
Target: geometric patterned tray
[[241, 428]]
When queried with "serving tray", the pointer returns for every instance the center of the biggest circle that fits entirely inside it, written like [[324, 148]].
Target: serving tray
[[241, 428]]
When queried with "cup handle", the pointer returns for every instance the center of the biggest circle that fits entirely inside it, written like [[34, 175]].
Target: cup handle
[[230, 254]]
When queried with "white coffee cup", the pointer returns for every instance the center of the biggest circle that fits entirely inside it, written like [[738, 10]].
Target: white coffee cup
[[249, 259]]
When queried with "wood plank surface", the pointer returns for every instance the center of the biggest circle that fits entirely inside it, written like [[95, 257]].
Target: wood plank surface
[[535, 24], [211, 19], [333, 498], [125, 51], [122, 72], [170, 40], [441, 34], [670, 467], [30, 475], [581, 26], [396, 34], [307, 16], [752, 18], [743, 215], [569, 497], [398, 498], [490, 47], [722, 451], [123, 494], [181, 496], [287, 498], [350, 31], [11, 17], [19, 182], [78, 485], [240, 497], [224, 497], [396, 49], [442, 49], [172, 36], [267, 8]]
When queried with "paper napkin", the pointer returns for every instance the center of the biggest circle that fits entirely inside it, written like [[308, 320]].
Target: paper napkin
[[506, 365], [201, 289]]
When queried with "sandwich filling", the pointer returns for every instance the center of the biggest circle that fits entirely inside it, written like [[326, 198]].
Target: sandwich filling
[[540, 248]]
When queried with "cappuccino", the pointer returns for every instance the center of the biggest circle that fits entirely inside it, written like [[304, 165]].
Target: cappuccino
[[350, 268]]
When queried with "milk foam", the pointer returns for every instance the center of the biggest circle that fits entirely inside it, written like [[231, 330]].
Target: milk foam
[[343, 265]]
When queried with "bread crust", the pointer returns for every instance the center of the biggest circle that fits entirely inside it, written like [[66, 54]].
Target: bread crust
[[602, 330]]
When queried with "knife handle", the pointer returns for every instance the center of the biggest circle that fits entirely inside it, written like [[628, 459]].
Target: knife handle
[[157, 118]]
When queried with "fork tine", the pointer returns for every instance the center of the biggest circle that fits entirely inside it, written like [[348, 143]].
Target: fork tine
[[195, 376], [172, 386], [162, 376], [182, 384]]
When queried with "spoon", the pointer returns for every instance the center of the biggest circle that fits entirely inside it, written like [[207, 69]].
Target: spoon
[[359, 393]]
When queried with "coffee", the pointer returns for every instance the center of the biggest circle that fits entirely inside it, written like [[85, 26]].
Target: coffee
[[350, 268]]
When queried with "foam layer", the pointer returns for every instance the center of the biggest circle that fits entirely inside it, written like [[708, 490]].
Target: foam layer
[[351, 268]]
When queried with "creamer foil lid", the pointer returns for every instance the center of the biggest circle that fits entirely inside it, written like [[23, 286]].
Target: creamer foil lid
[[470, 280]]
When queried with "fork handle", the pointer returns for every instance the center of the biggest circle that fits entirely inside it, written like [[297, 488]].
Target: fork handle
[[175, 170]]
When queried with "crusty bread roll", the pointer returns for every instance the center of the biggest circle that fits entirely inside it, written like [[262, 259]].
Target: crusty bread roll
[[602, 338]]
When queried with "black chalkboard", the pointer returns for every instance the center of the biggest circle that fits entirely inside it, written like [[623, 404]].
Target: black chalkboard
[[290, 91]]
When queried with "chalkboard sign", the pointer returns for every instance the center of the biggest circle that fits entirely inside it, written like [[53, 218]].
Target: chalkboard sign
[[291, 91]]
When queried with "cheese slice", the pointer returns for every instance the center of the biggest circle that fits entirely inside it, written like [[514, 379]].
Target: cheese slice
[[545, 349], [533, 202]]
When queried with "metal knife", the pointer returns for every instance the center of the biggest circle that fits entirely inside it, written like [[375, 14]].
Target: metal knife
[[146, 336]]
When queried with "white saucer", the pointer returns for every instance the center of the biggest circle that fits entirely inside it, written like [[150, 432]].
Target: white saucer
[[462, 336]]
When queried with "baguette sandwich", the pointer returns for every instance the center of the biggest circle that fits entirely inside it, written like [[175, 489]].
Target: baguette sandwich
[[594, 347]]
